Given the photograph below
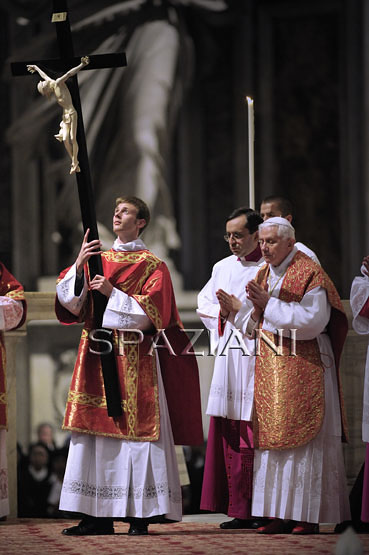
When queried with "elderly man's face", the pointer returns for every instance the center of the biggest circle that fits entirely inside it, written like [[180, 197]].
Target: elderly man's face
[[273, 247]]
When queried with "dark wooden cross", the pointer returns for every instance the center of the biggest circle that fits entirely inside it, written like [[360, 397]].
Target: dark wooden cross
[[66, 61]]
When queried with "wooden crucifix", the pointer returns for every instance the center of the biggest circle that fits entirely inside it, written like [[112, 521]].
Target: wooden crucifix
[[63, 64]]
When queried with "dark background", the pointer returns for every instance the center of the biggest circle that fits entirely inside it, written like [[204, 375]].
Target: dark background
[[306, 66]]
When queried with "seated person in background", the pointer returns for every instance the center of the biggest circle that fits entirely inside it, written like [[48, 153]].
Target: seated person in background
[[35, 481], [45, 435]]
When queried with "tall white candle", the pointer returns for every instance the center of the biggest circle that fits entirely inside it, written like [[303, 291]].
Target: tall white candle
[[251, 136]]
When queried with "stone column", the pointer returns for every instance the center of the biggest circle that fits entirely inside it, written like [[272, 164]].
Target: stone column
[[40, 306], [11, 340]]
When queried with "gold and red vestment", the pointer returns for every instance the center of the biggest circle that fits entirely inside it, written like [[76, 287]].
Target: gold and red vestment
[[146, 279], [289, 389]]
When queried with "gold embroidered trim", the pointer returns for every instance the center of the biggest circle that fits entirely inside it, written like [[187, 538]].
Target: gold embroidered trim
[[119, 436], [131, 383], [16, 295], [76, 397], [132, 257], [151, 310], [152, 262], [289, 394], [289, 390], [157, 409], [3, 398]]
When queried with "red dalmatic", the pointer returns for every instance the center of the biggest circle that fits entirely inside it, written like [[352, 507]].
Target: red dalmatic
[[146, 278]]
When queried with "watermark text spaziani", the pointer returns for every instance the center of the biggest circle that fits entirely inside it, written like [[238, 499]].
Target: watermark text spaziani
[[160, 340]]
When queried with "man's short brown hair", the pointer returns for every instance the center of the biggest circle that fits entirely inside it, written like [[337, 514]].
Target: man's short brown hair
[[143, 211], [283, 204]]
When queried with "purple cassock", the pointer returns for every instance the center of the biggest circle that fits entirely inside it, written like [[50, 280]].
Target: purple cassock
[[227, 483]]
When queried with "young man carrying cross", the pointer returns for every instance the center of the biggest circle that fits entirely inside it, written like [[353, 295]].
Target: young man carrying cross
[[125, 467]]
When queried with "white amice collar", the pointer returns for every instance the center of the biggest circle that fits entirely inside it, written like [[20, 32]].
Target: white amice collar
[[282, 268], [135, 245]]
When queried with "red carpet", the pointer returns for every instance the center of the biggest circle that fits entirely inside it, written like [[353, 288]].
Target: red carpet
[[41, 537]]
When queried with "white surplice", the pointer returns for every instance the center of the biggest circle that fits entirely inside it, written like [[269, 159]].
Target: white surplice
[[109, 477], [11, 313], [232, 387], [358, 297], [308, 483]]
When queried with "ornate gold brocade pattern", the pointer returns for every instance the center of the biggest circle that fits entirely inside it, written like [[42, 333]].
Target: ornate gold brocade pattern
[[289, 390], [144, 277], [131, 378], [152, 262], [90, 400], [289, 395], [316, 276], [120, 257], [151, 310], [136, 374]]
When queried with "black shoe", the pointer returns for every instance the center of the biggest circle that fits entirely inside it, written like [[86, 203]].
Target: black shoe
[[342, 526], [138, 527], [359, 526], [258, 522], [91, 526], [241, 524]]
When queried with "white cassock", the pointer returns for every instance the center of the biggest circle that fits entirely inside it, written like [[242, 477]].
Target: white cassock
[[358, 297], [308, 483], [11, 313], [109, 477], [232, 387]]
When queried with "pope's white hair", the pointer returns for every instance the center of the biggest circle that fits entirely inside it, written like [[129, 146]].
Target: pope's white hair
[[283, 226]]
